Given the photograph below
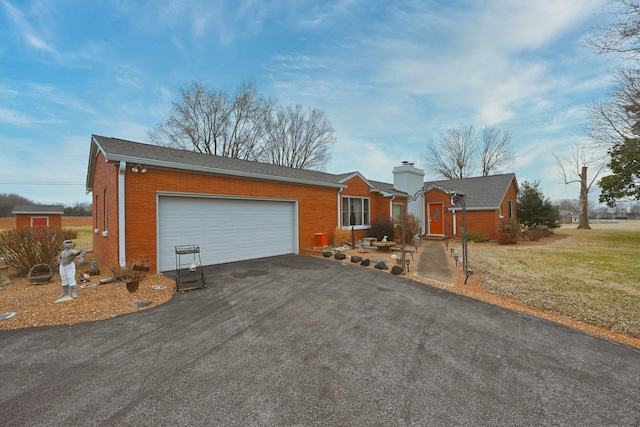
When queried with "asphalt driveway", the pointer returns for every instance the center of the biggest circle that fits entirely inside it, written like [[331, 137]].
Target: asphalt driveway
[[296, 340]]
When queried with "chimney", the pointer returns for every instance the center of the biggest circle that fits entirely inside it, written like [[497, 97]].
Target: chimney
[[410, 179]]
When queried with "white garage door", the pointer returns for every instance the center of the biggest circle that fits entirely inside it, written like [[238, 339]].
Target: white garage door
[[226, 230]]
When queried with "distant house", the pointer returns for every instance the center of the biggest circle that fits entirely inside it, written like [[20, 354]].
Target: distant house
[[568, 217], [31, 216]]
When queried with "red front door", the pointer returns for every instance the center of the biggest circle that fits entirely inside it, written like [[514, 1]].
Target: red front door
[[436, 218]]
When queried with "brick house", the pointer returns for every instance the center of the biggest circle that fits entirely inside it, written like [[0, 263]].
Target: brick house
[[488, 202], [31, 216], [148, 199]]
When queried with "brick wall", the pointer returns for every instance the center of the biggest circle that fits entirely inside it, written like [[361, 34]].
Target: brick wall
[[24, 220], [105, 248], [317, 206], [483, 223], [378, 204]]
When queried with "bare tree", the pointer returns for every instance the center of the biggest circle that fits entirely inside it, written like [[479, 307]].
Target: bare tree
[[298, 139], [574, 168], [623, 34], [463, 152], [454, 157], [615, 123], [246, 126], [496, 153], [211, 122]]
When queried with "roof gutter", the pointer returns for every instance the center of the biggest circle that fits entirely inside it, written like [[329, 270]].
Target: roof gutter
[[218, 171]]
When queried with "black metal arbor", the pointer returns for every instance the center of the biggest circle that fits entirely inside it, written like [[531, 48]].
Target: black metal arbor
[[455, 198]]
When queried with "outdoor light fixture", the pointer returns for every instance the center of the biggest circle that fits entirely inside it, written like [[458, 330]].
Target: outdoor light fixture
[[138, 168], [451, 251], [134, 169], [455, 257]]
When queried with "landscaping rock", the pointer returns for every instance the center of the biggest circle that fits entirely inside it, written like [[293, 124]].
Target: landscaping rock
[[376, 260], [365, 262], [396, 269], [142, 303], [382, 266], [356, 258], [327, 254], [340, 256]]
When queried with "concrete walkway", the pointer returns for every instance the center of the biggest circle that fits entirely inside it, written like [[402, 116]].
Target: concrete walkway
[[433, 264]]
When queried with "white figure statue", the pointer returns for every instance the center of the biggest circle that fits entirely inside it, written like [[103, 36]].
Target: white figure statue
[[68, 269]]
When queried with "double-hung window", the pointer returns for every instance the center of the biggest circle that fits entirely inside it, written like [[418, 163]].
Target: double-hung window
[[355, 211]]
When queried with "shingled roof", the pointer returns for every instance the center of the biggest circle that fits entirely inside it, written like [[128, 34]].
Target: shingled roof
[[120, 150], [480, 193], [38, 209]]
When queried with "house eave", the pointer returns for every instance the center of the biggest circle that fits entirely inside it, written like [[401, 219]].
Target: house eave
[[217, 171]]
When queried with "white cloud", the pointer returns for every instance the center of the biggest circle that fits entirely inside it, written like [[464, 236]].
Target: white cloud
[[26, 30]]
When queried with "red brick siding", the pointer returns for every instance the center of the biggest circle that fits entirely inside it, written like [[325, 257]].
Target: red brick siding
[[483, 223], [378, 204], [24, 220], [317, 206], [105, 177]]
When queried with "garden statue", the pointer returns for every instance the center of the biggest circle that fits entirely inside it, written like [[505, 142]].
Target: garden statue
[[68, 269]]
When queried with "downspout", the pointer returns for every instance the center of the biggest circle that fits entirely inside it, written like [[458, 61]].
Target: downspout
[[455, 225], [339, 211], [122, 255]]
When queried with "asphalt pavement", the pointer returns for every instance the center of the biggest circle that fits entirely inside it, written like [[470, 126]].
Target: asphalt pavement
[[297, 340]]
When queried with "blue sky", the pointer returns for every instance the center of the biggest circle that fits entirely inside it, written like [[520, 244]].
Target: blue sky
[[391, 76]]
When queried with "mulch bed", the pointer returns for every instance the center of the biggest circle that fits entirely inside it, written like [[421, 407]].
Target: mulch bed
[[35, 305]]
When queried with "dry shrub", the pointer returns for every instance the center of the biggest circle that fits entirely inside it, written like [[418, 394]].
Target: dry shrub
[[382, 226], [411, 228], [513, 229], [504, 238], [536, 233], [26, 247], [341, 236]]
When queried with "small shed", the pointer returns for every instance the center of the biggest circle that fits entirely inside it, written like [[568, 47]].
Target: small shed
[[31, 216]]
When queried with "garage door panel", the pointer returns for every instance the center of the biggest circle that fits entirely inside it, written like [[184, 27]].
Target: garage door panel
[[226, 230]]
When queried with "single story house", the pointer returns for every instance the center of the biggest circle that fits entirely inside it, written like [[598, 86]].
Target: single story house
[[485, 202], [568, 217], [149, 199], [31, 216], [488, 201]]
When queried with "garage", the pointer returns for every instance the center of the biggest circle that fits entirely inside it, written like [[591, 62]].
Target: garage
[[226, 229]]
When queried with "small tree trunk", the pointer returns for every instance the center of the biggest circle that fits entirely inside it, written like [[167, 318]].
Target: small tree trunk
[[584, 200]]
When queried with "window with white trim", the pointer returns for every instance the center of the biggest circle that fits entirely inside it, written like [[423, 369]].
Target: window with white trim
[[355, 211], [397, 213]]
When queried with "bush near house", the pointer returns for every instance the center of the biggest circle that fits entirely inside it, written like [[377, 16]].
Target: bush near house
[[382, 226], [411, 228], [23, 248], [341, 236], [509, 232]]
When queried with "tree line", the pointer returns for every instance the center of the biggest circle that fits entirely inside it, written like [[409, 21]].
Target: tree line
[[9, 200]]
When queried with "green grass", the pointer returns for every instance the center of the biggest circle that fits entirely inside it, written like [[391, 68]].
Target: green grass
[[590, 275], [85, 236]]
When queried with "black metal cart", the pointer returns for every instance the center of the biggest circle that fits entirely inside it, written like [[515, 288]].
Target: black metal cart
[[189, 274]]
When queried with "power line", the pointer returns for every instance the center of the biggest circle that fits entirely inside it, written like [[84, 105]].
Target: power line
[[39, 183]]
